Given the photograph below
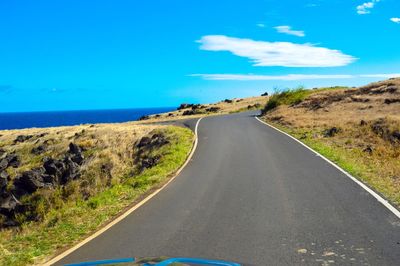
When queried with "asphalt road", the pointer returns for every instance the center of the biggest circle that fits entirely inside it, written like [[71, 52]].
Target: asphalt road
[[253, 195]]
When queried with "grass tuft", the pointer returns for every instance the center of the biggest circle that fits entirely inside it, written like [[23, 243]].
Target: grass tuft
[[286, 97]]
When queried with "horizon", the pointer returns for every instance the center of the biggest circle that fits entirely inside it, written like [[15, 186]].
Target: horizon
[[89, 110], [80, 56]]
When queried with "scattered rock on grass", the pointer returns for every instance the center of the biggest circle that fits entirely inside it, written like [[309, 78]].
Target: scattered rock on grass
[[149, 162], [390, 101], [39, 149], [331, 132], [29, 182], [144, 117], [368, 149], [10, 160], [22, 138], [213, 109]]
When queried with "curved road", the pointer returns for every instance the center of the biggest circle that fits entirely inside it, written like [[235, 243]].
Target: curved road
[[253, 195]]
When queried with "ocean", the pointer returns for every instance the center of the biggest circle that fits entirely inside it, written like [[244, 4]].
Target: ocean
[[69, 118]]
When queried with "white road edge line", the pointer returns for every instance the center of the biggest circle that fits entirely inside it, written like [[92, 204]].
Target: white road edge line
[[131, 210], [361, 184]]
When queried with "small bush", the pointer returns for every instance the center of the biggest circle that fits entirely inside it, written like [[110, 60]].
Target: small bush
[[286, 97]]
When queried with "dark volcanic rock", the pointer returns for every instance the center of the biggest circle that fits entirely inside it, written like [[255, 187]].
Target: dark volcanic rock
[[41, 135], [10, 160], [3, 181], [213, 109], [359, 100], [148, 143], [380, 128], [149, 162], [189, 112], [368, 149], [264, 94], [3, 164], [228, 101], [8, 204], [144, 117], [13, 160], [71, 170], [390, 101], [363, 123], [74, 149], [145, 141], [39, 149], [395, 136], [29, 182], [145, 146], [54, 168], [76, 152], [22, 138], [331, 132], [197, 106], [184, 106]]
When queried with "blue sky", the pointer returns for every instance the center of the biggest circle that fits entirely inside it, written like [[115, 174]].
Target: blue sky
[[75, 55]]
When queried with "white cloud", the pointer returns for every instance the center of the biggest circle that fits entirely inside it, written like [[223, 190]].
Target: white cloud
[[366, 7], [261, 25], [386, 76], [251, 77], [395, 20], [288, 30], [285, 54]]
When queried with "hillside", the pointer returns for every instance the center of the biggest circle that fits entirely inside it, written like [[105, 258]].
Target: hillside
[[60, 184], [359, 128]]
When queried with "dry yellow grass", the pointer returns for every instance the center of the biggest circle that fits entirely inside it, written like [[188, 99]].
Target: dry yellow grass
[[111, 141], [366, 143]]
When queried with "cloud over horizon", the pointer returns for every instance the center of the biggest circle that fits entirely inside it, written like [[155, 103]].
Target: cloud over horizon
[[288, 30], [251, 77], [285, 54]]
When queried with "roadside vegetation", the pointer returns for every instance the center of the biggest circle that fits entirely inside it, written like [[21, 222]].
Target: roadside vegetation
[[357, 128], [62, 184], [227, 106], [290, 97]]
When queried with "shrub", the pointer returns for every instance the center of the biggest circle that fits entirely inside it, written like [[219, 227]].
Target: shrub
[[286, 97]]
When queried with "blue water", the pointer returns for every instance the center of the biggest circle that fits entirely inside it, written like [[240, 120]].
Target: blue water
[[69, 118]]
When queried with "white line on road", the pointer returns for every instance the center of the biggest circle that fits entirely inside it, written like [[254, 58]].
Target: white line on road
[[370, 191]]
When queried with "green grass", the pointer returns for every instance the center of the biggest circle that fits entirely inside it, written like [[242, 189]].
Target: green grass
[[291, 97], [351, 160], [286, 97], [34, 242]]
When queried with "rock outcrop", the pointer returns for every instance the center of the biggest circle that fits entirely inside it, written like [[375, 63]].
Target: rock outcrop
[[52, 173], [144, 148]]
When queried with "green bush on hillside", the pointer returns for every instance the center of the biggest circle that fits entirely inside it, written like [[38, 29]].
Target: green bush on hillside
[[286, 97]]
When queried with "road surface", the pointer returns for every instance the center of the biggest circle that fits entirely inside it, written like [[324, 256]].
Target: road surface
[[253, 195]]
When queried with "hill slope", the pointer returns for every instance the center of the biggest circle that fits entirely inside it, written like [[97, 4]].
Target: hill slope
[[359, 128]]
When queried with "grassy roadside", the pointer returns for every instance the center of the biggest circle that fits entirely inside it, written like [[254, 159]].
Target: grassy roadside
[[357, 128], [36, 242]]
